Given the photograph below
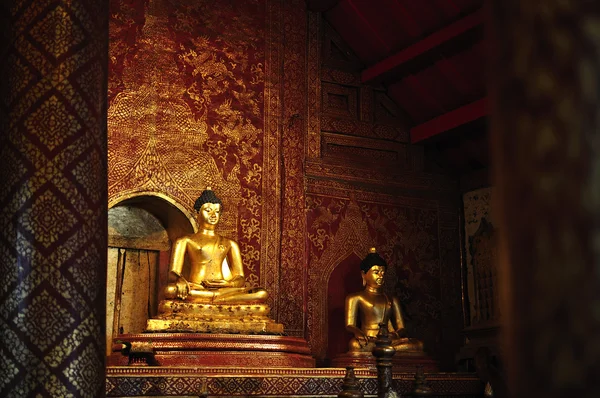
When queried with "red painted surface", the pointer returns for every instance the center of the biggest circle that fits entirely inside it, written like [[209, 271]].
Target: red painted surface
[[449, 120], [430, 56], [421, 47]]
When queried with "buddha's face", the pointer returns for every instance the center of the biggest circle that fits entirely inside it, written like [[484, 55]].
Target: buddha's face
[[210, 213], [374, 276]]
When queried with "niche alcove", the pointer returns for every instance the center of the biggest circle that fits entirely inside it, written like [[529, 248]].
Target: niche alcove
[[344, 279], [141, 229]]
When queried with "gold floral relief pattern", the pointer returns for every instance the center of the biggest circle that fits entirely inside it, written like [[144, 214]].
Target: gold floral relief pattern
[[187, 110], [53, 199], [407, 237], [313, 137]]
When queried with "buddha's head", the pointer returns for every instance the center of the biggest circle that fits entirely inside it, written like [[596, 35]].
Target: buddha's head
[[373, 269], [209, 207]]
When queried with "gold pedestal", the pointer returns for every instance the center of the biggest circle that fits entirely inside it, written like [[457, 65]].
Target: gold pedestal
[[181, 316]]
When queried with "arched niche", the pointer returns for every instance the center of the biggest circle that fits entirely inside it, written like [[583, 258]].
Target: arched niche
[[141, 229], [344, 279]]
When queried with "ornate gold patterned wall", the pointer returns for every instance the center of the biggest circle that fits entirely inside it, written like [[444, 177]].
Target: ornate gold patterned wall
[[194, 102], [248, 97]]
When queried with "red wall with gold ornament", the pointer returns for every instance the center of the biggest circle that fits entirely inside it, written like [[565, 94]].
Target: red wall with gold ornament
[[255, 99], [195, 100]]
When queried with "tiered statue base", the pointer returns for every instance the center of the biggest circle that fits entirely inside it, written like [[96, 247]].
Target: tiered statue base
[[204, 349], [401, 362], [183, 316]]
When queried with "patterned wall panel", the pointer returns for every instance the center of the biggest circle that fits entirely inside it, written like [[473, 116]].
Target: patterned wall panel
[[338, 100], [195, 102], [365, 188], [313, 78], [343, 106], [359, 150], [53, 199], [292, 293], [273, 382], [480, 255]]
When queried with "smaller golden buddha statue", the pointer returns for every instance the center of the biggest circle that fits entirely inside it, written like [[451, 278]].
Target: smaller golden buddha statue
[[206, 289], [366, 309]]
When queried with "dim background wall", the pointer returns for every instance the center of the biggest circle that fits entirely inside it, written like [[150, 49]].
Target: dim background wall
[[366, 187]]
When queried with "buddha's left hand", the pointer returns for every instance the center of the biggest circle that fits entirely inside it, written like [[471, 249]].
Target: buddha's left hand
[[398, 334], [216, 283]]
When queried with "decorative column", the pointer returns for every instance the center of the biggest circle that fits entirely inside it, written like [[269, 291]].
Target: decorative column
[[383, 352], [53, 197], [546, 147]]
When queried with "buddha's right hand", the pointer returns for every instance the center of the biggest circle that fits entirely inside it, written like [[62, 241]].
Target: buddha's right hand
[[362, 339], [183, 288]]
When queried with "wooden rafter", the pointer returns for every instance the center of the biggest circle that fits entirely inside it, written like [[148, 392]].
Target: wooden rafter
[[321, 5], [432, 41], [449, 120]]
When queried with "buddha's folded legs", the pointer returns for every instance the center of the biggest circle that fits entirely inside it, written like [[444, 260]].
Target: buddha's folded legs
[[400, 344], [218, 296], [355, 345], [178, 291], [240, 295], [407, 344]]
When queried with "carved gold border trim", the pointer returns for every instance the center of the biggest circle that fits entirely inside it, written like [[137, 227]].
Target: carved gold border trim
[[271, 208], [233, 371], [313, 147]]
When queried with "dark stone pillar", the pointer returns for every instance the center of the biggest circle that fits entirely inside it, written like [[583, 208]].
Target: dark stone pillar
[[53, 197], [546, 143]]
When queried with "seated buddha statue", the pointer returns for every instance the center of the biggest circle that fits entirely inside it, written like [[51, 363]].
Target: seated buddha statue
[[206, 290], [365, 310], [206, 252]]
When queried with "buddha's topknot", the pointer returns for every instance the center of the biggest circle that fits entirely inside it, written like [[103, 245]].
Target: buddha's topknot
[[372, 259], [207, 196]]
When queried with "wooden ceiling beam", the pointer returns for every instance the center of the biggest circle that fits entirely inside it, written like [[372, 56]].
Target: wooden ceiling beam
[[390, 64], [449, 120], [366, 22], [321, 5]]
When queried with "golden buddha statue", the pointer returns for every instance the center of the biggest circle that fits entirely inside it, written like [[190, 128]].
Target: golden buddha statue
[[365, 310], [209, 254], [206, 289]]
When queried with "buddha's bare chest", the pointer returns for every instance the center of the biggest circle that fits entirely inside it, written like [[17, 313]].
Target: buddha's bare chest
[[374, 308], [206, 250]]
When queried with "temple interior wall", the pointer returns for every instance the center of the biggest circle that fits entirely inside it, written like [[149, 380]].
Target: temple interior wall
[[313, 167]]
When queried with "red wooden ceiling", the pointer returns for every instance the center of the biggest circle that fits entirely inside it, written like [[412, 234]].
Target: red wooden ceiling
[[429, 54]]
